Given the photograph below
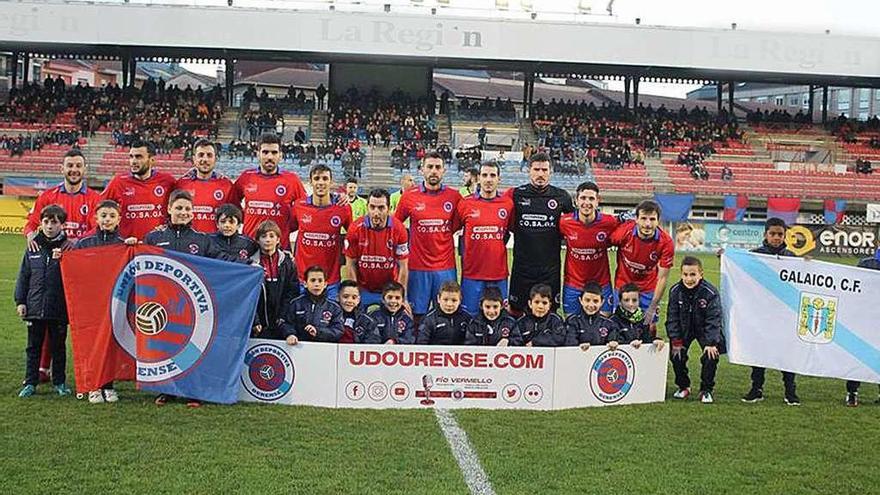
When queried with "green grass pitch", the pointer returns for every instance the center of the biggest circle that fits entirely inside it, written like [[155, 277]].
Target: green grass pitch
[[61, 445]]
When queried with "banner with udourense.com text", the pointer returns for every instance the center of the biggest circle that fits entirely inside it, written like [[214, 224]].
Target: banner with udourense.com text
[[805, 316], [379, 376]]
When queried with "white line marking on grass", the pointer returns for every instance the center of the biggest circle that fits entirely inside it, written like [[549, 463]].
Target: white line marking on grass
[[464, 453]]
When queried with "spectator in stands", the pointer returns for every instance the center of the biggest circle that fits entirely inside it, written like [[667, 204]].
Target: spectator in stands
[[320, 93], [481, 135], [726, 174]]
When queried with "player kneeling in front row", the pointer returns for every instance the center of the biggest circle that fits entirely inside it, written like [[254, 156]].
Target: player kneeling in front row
[[694, 313], [590, 327], [539, 326], [357, 326], [236, 247], [395, 326], [630, 319], [312, 316], [447, 324], [493, 326]]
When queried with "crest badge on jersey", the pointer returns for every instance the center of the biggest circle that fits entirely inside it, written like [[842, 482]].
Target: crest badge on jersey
[[269, 372], [159, 191], [602, 236], [218, 194], [84, 209], [612, 376], [552, 204], [335, 221], [447, 206], [193, 248], [281, 190], [401, 327], [163, 316], [817, 318], [653, 256], [326, 316], [502, 213]]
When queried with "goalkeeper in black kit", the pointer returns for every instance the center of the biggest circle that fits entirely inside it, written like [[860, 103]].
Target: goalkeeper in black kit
[[538, 207]]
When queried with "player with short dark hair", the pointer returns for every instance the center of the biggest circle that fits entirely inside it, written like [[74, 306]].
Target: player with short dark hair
[[209, 188], [538, 206], [142, 193], [312, 316], [430, 208], [447, 323], [268, 192], [357, 326], [236, 247], [393, 323], [493, 326], [540, 327], [587, 232], [590, 327]]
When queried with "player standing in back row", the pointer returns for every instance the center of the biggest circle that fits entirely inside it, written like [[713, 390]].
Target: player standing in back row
[[538, 206], [208, 188], [430, 208]]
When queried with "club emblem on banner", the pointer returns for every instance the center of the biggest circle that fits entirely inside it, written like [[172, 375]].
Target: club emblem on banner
[[817, 318], [611, 376], [163, 316], [269, 373]]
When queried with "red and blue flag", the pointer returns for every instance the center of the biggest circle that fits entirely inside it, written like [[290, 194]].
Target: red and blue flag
[[834, 210], [735, 206], [175, 323], [785, 208]]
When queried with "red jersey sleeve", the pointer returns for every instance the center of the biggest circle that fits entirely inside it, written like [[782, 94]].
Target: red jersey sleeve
[[401, 241], [618, 237], [346, 217], [238, 190], [402, 211], [294, 224], [456, 218], [667, 252], [299, 191], [33, 218], [112, 190], [352, 242]]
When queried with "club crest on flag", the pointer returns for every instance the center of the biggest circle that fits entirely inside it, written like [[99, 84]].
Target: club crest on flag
[[268, 373], [163, 316], [612, 376], [817, 318]]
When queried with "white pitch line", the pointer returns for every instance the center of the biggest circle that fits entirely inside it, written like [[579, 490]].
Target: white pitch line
[[464, 453]]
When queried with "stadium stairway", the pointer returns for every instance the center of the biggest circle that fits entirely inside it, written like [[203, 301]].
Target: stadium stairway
[[444, 129], [228, 127], [526, 133], [292, 122], [658, 174], [95, 149], [318, 126], [378, 162]]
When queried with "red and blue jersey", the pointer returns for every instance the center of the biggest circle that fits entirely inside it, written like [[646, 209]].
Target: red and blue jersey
[[638, 259], [376, 251], [208, 194], [432, 221], [319, 241], [486, 223], [79, 206], [586, 253], [268, 197], [144, 203]]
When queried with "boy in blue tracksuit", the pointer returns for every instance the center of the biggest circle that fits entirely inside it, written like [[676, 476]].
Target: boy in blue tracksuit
[[392, 321], [357, 326], [236, 247], [852, 386], [694, 313], [39, 299], [447, 323], [493, 326], [312, 316], [540, 327], [589, 327], [630, 319]]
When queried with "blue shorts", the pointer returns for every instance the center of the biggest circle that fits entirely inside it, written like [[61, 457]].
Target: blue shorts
[[645, 299], [332, 291], [571, 300], [471, 290], [370, 298], [423, 287]]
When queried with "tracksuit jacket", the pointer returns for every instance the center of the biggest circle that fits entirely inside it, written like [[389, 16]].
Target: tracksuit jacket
[[318, 311], [484, 332], [99, 238], [594, 329], [439, 328], [695, 314], [275, 295], [359, 328], [183, 239], [39, 285], [631, 326], [548, 331], [397, 326], [238, 248]]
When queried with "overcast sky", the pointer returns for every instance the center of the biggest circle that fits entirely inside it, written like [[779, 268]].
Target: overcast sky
[[854, 17]]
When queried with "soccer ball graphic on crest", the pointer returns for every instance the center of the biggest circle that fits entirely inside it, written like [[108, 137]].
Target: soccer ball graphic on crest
[[151, 318], [267, 372]]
